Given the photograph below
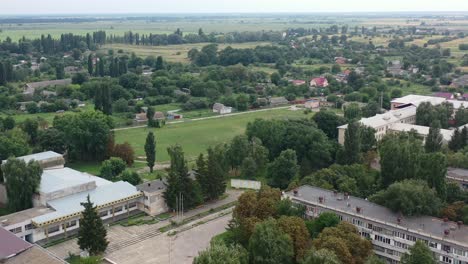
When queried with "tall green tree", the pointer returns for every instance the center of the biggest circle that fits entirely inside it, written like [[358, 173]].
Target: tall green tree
[[59, 71], [90, 64], [150, 117], [353, 112], [159, 64], [270, 245], [283, 169], [3, 79], [216, 173], [92, 234], [328, 121], [419, 254], [31, 126], [322, 256], [150, 151], [112, 168], [103, 98], [434, 138], [22, 181], [352, 144], [221, 253], [433, 170]]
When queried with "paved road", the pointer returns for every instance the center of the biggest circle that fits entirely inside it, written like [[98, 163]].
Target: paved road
[[209, 117]]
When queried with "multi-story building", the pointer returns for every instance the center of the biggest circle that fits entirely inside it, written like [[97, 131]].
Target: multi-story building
[[459, 176], [57, 203], [402, 118], [390, 233]]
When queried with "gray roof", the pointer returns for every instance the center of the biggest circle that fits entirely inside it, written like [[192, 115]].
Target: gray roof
[[100, 196], [44, 84], [457, 173], [152, 186], [426, 225], [35, 255], [58, 179], [10, 245], [43, 156], [24, 215]]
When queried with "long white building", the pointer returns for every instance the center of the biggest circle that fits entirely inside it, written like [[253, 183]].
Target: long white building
[[402, 118], [390, 233]]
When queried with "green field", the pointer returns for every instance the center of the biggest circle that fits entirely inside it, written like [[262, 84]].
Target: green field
[[174, 53], [196, 136]]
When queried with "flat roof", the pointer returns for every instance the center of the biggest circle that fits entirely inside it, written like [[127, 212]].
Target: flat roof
[[24, 215], [41, 156], [35, 255], [102, 195], [458, 173], [422, 130], [10, 244], [152, 186], [431, 226], [58, 179], [418, 99], [389, 117]]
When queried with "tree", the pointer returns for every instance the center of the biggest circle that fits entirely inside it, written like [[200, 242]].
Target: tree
[[150, 117], [344, 240], [434, 138], [79, 78], [237, 151], [22, 181], [179, 187], [283, 169], [30, 127], [125, 152], [221, 253], [216, 174], [419, 254], [51, 139], [59, 71], [159, 65], [9, 123], [92, 234], [352, 144], [328, 122], [433, 170], [90, 64], [410, 197], [324, 220], [322, 256], [150, 150], [352, 112], [269, 245], [87, 134], [131, 177], [275, 78], [111, 168], [248, 168], [103, 98], [296, 229]]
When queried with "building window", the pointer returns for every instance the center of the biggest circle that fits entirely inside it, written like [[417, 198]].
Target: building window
[[118, 209], [446, 248], [72, 223], [446, 259], [131, 205], [411, 238], [103, 213], [53, 229], [382, 239], [401, 245], [432, 244], [16, 230], [28, 227]]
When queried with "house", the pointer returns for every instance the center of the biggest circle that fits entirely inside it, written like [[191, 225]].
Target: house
[[341, 60], [221, 109], [319, 82], [277, 101], [445, 95], [173, 115], [312, 104], [465, 96], [327, 104], [30, 88], [14, 250], [297, 82], [141, 117], [72, 70], [459, 176], [460, 82], [153, 200]]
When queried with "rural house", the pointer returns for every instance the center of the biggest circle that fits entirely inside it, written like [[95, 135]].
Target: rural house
[[221, 109], [319, 82]]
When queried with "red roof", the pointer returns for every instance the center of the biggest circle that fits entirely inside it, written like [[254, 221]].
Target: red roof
[[320, 81], [10, 244]]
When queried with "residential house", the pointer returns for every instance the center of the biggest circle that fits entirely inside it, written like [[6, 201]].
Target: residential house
[[460, 82], [153, 199], [73, 70], [312, 104], [30, 88], [173, 115], [221, 109], [319, 82], [277, 101], [445, 95], [141, 117], [341, 60]]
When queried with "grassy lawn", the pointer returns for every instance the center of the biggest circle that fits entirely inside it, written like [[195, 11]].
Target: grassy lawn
[[174, 53], [94, 167], [195, 137]]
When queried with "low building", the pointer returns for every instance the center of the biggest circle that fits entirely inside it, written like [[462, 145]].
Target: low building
[[319, 82], [460, 82], [341, 60], [297, 82], [277, 101], [30, 88], [390, 233], [221, 109], [142, 118], [415, 100], [153, 200], [312, 104], [445, 95], [14, 250], [459, 176]]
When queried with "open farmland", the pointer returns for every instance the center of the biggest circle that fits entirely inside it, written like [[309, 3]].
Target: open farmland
[[196, 136], [174, 53]]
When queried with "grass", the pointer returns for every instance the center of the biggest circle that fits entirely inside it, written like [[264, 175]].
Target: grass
[[195, 137], [94, 167], [174, 53]]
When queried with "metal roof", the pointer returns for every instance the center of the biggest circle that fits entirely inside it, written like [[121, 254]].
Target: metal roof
[[41, 156], [390, 117], [102, 195], [10, 245], [421, 130], [425, 225], [58, 179]]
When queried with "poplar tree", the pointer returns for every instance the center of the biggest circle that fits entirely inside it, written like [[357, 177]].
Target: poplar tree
[[434, 138], [90, 64], [150, 150], [92, 234]]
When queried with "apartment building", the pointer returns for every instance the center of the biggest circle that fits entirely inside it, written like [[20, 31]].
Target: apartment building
[[390, 233]]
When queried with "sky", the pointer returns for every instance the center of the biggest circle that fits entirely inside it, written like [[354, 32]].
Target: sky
[[217, 6]]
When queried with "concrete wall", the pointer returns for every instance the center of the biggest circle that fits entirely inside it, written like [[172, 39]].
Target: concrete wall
[[3, 194], [246, 184], [153, 203]]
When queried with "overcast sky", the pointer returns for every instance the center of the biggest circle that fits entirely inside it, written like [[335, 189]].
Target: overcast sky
[[214, 6]]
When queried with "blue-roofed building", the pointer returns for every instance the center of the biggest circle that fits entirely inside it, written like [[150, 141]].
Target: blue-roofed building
[[57, 204]]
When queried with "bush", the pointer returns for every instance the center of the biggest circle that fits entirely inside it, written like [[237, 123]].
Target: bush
[[131, 177], [111, 168]]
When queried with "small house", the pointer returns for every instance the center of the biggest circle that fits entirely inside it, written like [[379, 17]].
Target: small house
[[153, 202], [276, 101], [445, 95], [174, 116], [341, 60], [221, 109], [319, 82], [312, 104], [297, 82]]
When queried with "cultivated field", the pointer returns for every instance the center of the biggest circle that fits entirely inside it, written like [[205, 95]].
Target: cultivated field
[[196, 136], [174, 53]]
